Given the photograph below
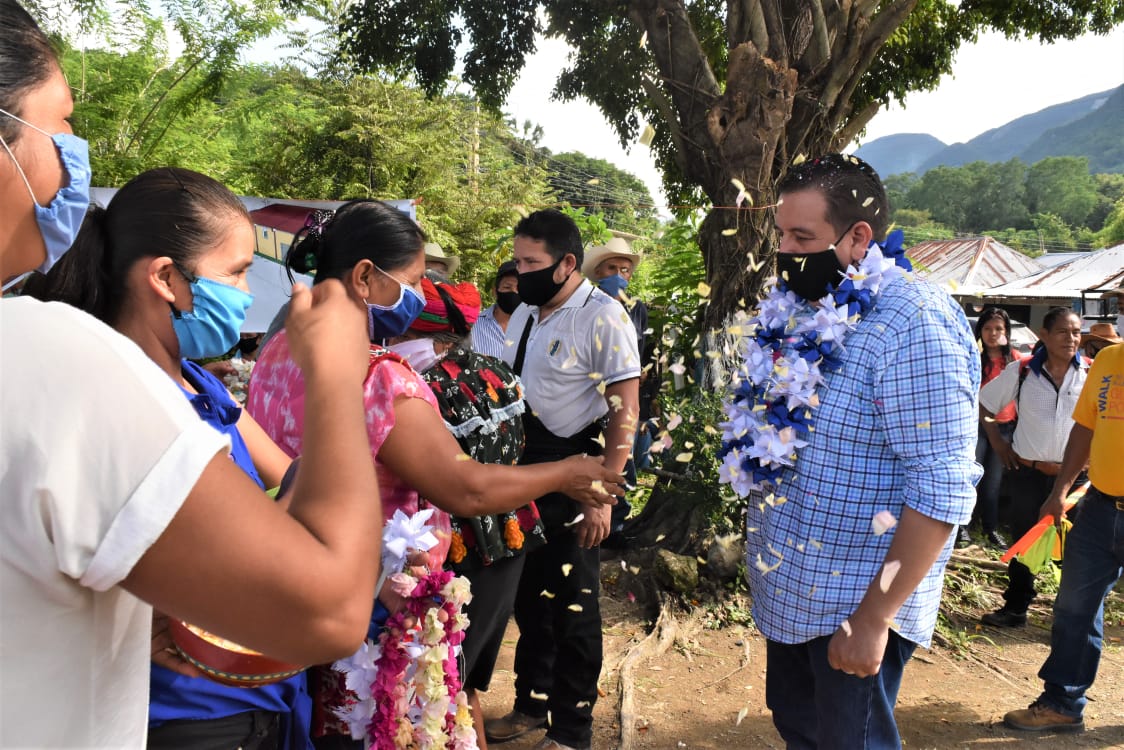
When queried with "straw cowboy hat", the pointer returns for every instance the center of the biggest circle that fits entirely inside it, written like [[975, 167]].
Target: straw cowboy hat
[[614, 248], [1101, 332], [433, 252]]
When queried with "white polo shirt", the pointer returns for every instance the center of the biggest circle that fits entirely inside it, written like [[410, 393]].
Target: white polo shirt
[[1045, 412], [586, 342]]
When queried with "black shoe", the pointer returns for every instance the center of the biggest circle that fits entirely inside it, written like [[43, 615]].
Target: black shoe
[[995, 539], [963, 538], [1004, 618]]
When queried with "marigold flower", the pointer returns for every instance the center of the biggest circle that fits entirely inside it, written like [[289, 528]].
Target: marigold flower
[[512, 534]]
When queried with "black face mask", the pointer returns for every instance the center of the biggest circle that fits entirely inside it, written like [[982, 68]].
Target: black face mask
[[507, 301], [812, 275], [539, 287]]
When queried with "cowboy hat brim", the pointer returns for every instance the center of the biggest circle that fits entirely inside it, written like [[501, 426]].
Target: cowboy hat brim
[[615, 248]]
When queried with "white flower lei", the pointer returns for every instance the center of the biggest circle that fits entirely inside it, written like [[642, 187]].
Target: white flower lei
[[792, 346]]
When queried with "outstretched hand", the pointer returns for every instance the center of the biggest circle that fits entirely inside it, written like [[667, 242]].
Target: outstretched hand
[[590, 483]]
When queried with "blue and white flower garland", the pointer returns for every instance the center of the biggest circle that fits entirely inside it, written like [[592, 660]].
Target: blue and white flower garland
[[793, 344]]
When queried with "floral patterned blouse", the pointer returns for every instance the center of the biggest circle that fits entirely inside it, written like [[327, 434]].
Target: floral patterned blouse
[[275, 399]]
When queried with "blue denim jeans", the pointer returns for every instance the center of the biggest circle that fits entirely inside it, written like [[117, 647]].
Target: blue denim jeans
[[815, 706], [1094, 556], [987, 491]]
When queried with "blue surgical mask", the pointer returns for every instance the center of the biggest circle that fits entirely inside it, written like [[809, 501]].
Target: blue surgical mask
[[613, 285], [214, 324], [389, 321], [60, 221]]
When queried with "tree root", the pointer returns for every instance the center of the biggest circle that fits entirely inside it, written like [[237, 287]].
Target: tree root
[[655, 643]]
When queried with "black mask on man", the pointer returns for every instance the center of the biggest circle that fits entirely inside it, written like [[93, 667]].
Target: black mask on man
[[812, 275], [539, 287], [507, 301]]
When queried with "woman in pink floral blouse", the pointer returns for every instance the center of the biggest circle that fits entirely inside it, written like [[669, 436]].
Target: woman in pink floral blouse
[[377, 252]]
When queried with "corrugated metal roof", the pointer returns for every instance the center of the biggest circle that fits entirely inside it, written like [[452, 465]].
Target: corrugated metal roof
[[1099, 271], [970, 263]]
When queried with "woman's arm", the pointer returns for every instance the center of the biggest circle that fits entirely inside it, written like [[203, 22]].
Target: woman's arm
[[420, 450], [295, 585], [270, 461]]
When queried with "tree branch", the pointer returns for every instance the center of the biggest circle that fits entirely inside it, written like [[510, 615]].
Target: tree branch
[[855, 125], [746, 23], [660, 102], [820, 51], [774, 25]]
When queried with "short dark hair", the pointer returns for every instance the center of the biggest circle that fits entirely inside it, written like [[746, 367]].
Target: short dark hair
[[557, 230], [1054, 313], [507, 268], [850, 186], [27, 60], [165, 211], [364, 229]]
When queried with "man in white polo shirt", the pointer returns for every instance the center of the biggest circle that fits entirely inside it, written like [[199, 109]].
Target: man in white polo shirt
[[575, 348]]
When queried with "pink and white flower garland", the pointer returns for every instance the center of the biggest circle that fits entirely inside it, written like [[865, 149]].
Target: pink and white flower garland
[[407, 684]]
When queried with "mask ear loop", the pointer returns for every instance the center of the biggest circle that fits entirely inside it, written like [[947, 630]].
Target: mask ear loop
[[16, 162]]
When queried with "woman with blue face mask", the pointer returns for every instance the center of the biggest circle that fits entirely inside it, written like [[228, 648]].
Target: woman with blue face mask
[[115, 497], [378, 253], [165, 264]]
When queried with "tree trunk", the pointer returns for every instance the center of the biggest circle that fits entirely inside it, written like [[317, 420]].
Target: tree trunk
[[674, 518]]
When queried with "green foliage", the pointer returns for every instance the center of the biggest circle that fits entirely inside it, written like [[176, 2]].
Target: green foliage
[[1113, 232], [599, 186], [1054, 204], [1063, 187]]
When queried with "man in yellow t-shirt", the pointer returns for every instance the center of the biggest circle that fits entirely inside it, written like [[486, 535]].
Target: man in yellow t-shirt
[[1094, 550]]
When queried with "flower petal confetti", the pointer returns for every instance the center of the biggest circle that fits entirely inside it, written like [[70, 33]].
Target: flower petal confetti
[[889, 573], [882, 522]]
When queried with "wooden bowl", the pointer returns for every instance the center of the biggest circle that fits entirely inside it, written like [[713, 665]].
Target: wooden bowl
[[227, 662]]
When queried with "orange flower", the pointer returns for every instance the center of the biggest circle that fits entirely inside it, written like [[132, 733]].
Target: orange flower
[[457, 550], [512, 534]]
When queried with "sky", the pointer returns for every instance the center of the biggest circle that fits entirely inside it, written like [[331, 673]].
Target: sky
[[992, 82]]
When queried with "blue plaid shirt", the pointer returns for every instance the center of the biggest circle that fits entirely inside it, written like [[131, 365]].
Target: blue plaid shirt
[[897, 426]]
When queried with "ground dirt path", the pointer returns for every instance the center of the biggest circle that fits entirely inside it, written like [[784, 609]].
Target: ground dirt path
[[690, 696]]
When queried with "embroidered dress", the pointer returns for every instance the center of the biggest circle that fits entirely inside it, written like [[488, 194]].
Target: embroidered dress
[[276, 401], [481, 401]]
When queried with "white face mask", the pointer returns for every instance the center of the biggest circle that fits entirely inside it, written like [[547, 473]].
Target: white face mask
[[418, 352]]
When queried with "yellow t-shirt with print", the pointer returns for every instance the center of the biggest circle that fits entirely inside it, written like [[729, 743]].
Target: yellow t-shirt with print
[[1101, 409]]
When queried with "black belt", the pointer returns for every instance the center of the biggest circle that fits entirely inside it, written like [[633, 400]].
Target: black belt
[[542, 444], [1117, 500]]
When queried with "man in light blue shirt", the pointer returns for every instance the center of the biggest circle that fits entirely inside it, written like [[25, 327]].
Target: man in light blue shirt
[[842, 601]]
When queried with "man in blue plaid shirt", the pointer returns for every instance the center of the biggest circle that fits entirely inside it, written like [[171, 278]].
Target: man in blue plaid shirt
[[843, 605]]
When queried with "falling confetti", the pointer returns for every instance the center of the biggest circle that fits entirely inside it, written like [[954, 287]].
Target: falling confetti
[[576, 520], [882, 522], [539, 696], [684, 458], [566, 568], [741, 715], [704, 289], [547, 594], [593, 181], [575, 608], [868, 201], [800, 159], [463, 457], [846, 628], [647, 136], [889, 573], [729, 232], [643, 39], [674, 422]]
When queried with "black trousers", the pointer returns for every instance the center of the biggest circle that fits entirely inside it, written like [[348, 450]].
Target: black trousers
[[1028, 489], [558, 655]]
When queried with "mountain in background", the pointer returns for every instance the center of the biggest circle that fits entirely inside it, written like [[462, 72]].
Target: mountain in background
[[1089, 126]]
